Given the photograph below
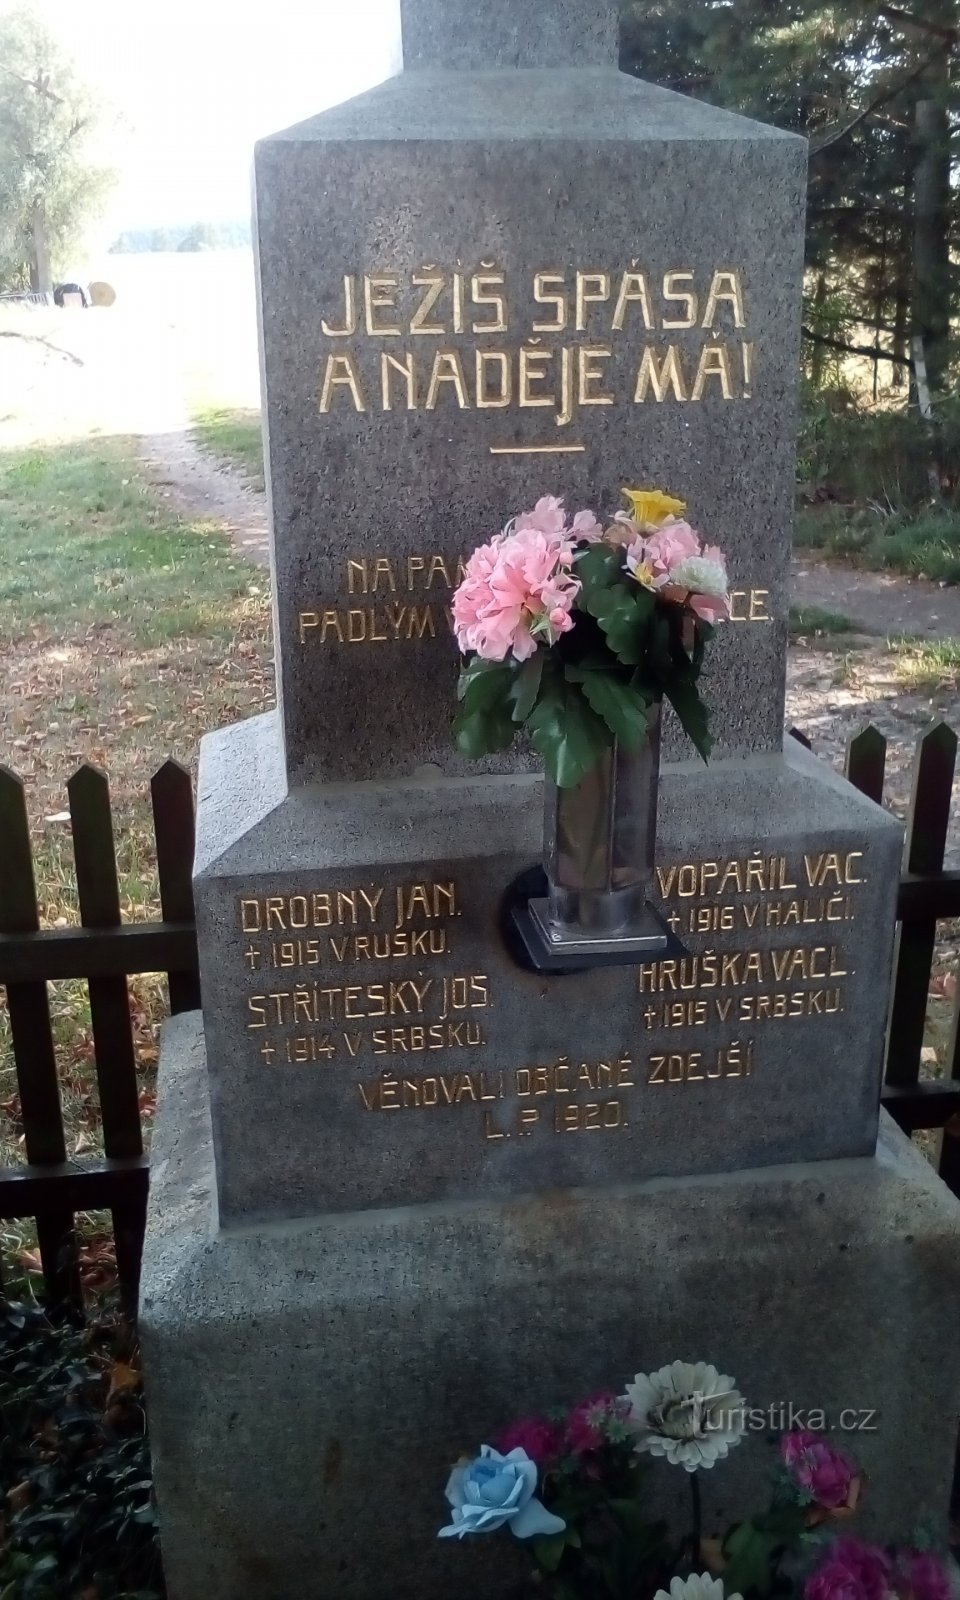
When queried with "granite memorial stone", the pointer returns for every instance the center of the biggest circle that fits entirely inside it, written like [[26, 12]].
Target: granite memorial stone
[[394, 1151]]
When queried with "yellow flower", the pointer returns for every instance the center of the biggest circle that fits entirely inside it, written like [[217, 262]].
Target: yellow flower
[[652, 506], [644, 574]]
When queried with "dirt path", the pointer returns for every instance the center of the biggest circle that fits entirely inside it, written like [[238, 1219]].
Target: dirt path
[[878, 602], [200, 486]]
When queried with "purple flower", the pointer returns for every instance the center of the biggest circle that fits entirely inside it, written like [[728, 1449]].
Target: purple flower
[[586, 1427], [918, 1575], [850, 1570], [826, 1476], [534, 1435]]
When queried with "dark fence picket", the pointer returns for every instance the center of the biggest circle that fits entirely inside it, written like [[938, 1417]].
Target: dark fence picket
[[50, 1185], [866, 763], [173, 821], [28, 1006], [925, 844], [99, 895]]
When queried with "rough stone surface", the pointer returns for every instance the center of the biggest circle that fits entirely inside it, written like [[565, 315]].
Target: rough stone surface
[[501, 33], [310, 1383], [365, 1055], [570, 171]]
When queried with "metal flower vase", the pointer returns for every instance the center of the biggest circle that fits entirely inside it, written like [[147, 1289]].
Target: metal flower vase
[[598, 855]]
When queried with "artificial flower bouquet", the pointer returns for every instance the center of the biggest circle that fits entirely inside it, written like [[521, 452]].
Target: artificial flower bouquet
[[571, 1487], [574, 631]]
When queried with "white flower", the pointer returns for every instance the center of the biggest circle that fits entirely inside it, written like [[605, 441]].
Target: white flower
[[690, 1413], [697, 1587], [640, 567], [700, 574]]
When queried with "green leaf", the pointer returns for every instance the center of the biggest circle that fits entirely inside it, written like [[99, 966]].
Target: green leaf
[[483, 683], [526, 686], [566, 733], [598, 567], [481, 733], [623, 616], [693, 714], [548, 1550], [751, 1553], [623, 710]]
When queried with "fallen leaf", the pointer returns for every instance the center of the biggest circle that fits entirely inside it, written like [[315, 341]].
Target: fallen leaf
[[122, 1376]]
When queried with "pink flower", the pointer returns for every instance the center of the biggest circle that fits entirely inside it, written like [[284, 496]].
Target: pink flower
[[516, 591], [822, 1472], [547, 516], [539, 1438], [585, 1427], [850, 1570], [671, 544], [586, 527], [622, 530], [920, 1576], [712, 608]]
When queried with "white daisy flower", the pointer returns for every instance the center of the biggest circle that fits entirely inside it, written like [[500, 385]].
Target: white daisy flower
[[699, 1586], [688, 1412]]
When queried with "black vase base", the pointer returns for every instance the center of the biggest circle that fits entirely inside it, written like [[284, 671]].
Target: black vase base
[[529, 938]]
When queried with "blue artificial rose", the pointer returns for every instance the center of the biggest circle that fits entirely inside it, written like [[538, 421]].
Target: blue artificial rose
[[494, 1490]]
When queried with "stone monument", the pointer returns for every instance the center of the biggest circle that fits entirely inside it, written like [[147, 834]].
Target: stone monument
[[403, 1188]]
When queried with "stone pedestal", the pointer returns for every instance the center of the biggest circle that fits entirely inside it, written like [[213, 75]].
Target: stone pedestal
[[372, 1040], [310, 1381]]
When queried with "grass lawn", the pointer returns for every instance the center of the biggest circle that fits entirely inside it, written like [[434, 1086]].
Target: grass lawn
[[233, 434], [813, 622], [921, 544], [124, 635], [927, 663]]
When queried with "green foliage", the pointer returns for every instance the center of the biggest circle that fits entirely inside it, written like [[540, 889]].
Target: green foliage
[[848, 77], [753, 1550], [49, 184], [596, 684], [74, 1464], [850, 454], [183, 236], [612, 1547], [922, 545]]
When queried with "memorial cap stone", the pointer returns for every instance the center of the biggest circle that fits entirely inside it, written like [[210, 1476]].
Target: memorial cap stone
[[505, 33], [479, 285]]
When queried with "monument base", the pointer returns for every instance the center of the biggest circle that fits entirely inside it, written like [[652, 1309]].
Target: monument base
[[310, 1382]]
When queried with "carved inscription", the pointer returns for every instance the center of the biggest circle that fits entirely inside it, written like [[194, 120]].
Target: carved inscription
[[810, 899], [446, 338], [390, 601], [364, 982]]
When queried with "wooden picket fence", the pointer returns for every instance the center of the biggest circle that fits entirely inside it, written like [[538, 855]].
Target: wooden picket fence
[[104, 951]]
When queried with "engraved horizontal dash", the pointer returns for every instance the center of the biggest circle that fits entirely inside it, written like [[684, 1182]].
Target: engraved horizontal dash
[[537, 449]]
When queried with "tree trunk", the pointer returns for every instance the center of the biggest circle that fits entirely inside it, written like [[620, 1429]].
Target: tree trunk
[[818, 353], [900, 321], [931, 223], [40, 276]]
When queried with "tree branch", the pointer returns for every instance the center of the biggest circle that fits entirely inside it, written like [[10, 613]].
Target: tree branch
[[854, 349], [36, 84], [881, 100], [908, 20]]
